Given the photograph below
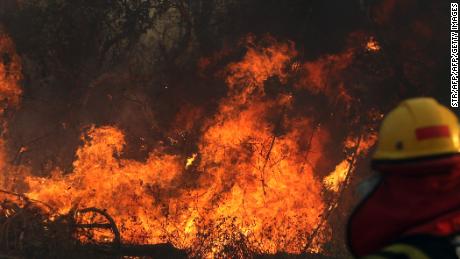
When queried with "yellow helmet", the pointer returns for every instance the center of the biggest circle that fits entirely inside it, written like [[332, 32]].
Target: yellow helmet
[[417, 128]]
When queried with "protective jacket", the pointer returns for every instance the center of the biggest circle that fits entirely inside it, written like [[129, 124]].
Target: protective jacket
[[414, 212]]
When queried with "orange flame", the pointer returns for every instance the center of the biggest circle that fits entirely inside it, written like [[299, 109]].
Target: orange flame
[[10, 91], [254, 181], [337, 178], [10, 73], [259, 63], [316, 76], [372, 45]]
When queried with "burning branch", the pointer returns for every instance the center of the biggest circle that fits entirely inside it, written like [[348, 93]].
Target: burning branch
[[272, 143], [90, 225], [309, 146], [267, 157], [334, 201], [26, 230]]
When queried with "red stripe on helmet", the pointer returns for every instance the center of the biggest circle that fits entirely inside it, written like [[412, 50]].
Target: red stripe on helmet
[[432, 132]]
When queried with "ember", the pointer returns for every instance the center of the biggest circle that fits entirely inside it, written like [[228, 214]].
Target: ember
[[190, 160], [372, 45]]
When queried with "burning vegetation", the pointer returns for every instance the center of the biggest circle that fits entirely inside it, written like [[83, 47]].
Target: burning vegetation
[[249, 153]]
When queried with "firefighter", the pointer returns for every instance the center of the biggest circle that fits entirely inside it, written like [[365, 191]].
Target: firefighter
[[414, 209]]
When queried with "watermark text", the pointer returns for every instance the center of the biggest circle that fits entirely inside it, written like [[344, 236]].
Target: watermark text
[[454, 54]]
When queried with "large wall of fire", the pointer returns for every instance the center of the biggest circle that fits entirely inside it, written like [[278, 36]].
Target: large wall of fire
[[251, 131]]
